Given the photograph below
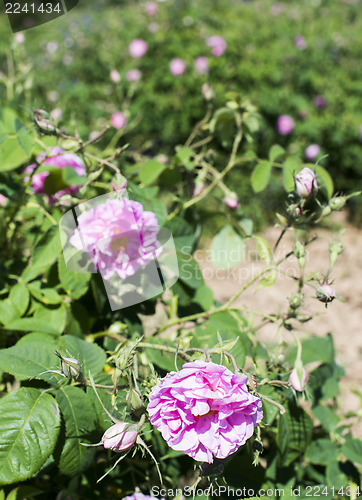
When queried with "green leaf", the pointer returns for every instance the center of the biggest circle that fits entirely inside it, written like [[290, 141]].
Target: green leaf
[[45, 295], [189, 271], [75, 284], [164, 360], [327, 417], [150, 171], [91, 357], [8, 311], [184, 155], [316, 349], [275, 152], [227, 248], [321, 452], [16, 144], [352, 449], [291, 167], [295, 429], [27, 360], [29, 421], [325, 179], [268, 280], [335, 477], [45, 320], [270, 411], [261, 175], [263, 249], [204, 297], [71, 178], [19, 296], [45, 254], [80, 422]]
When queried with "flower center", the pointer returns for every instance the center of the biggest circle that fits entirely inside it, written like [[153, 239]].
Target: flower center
[[211, 412], [119, 244]]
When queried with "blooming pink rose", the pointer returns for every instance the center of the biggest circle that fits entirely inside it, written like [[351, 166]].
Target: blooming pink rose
[[133, 75], [177, 66], [285, 124], [119, 437], [118, 120], [204, 410], [300, 42], [217, 44], [232, 200], [312, 151], [138, 48], [115, 76], [151, 8], [202, 65], [326, 293], [119, 236], [305, 182], [56, 157], [296, 382]]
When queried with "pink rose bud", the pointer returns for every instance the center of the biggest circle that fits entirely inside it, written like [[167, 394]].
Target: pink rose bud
[[232, 200], [3, 200], [133, 75], [300, 42], [198, 189], [115, 76], [44, 122], [177, 66], [151, 8], [326, 293], [217, 44], [312, 151], [298, 382], [118, 120], [119, 437], [285, 124], [202, 65], [305, 182], [138, 48]]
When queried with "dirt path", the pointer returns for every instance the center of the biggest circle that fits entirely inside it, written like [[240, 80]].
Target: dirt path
[[343, 320]]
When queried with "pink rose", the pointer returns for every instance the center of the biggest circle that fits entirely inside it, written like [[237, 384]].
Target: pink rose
[[177, 66], [202, 65], [297, 382], [204, 410], [151, 8], [118, 120], [138, 48], [115, 76], [133, 75], [300, 42], [312, 151], [217, 44], [285, 124]]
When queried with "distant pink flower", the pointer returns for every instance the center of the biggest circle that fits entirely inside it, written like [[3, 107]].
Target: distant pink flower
[[204, 410], [3, 200], [232, 200], [119, 437], [59, 158], [312, 151], [207, 92], [56, 114], [202, 65], [118, 120], [305, 182], [217, 44], [162, 158], [285, 124], [133, 75], [177, 66], [277, 9], [138, 48], [139, 496], [153, 27], [296, 382], [115, 76], [119, 236], [300, 42], [151, 8], [319, 101], [19, 37]]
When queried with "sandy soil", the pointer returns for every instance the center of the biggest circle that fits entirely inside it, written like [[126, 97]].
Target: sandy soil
[[342, 319]]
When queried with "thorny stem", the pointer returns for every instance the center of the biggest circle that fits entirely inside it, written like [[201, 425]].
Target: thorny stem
[[271, 401]]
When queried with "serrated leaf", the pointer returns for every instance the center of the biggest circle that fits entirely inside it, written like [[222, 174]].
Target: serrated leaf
[[19, 296], [325, 179], [80, 422], [204, 297], [335, 477], [45, 254], [270, 411], [189, 270], [352, 449], [327, 417], [27, 360], [16, 144], [8, 311], [75, 284], [321, 452], [45, 320], [291, 167], [45, 295], [29, 421], [184, 155], [260, 176], [227, 248]]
